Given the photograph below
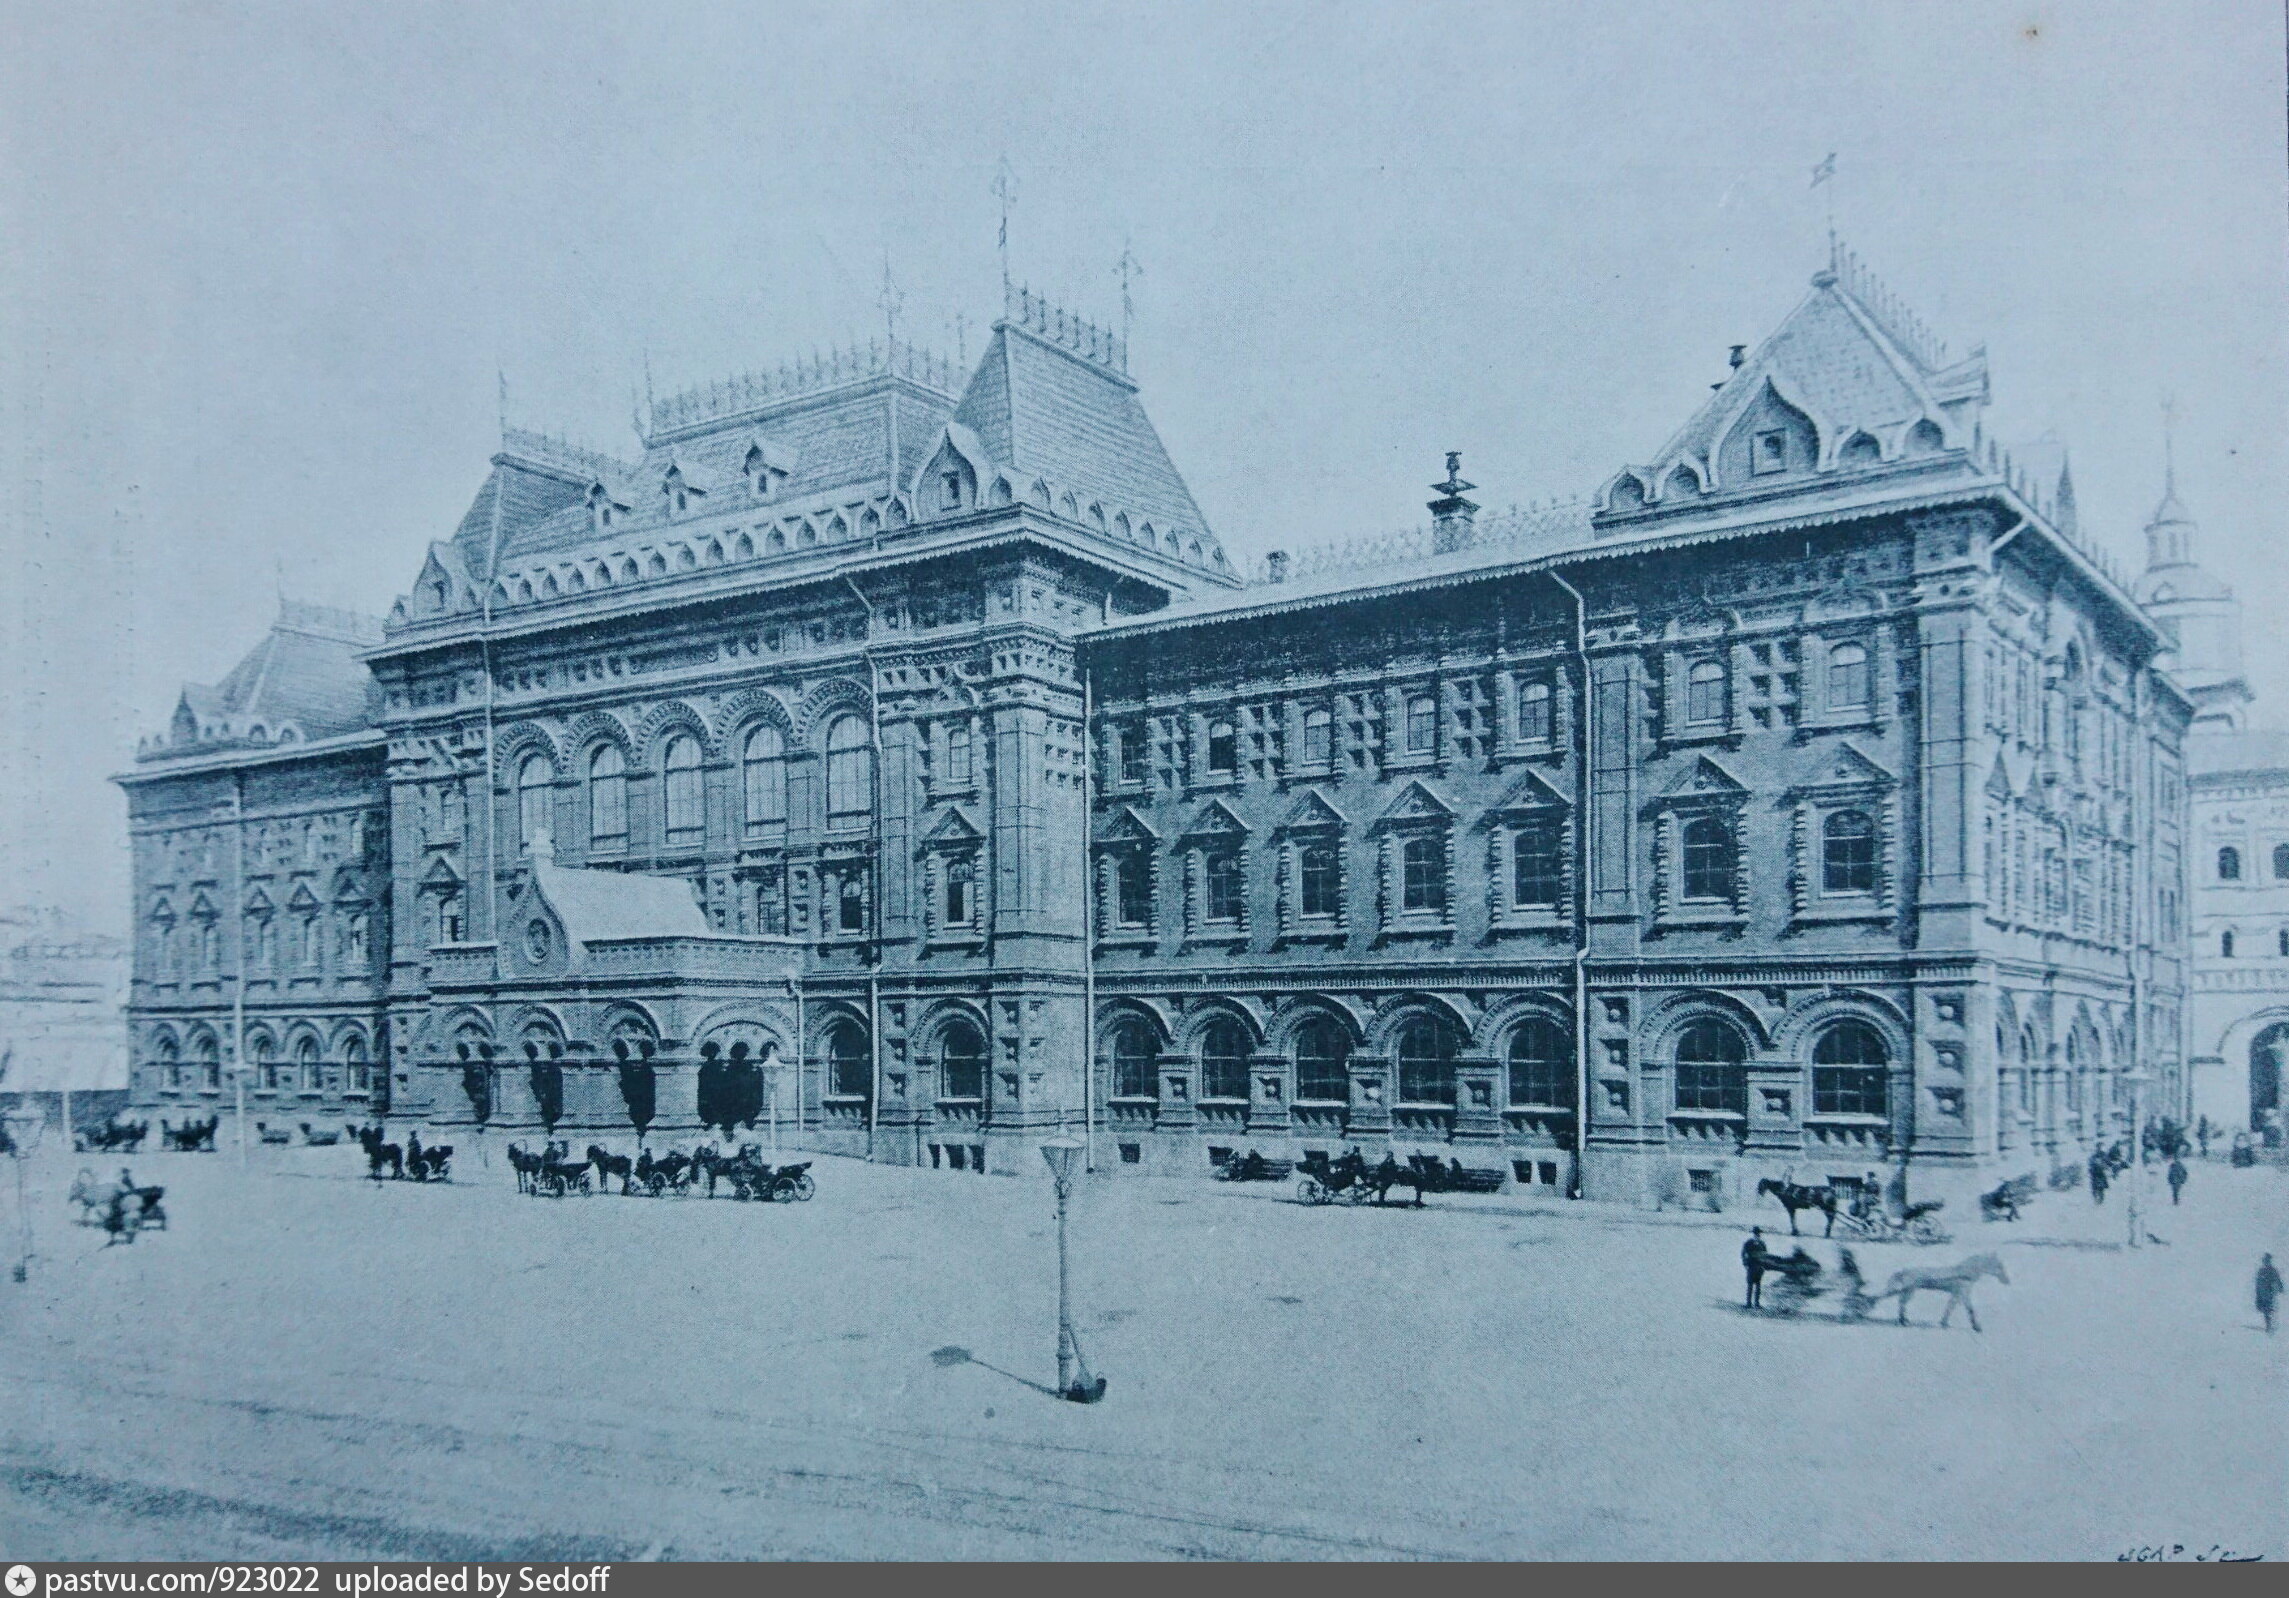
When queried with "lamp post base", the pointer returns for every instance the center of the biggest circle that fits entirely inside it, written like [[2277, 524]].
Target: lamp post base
[[1084, 1392]]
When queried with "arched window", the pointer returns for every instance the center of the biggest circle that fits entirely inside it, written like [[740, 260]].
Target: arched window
[[1223, 747], [206, 1058], [1132, 888], [607, 798], [850, 1073], [1537, 866], [1323, 1056], [1136, 1062], [680, 790], [763, 770], [2281, 862], [313, 942], [1319, 881], [262, 1057], [1534, 712], [359, 1068], [961, 1061], [2229, 864], [533, 782], [1423, 874], [1222, 873], [1848, 677], [2225, 944], [169, 1065], [1318, 738], [1422, 725], [961, 899], [850, 773], [1426, 1062], [306, 1067], [850, 902], [1849, 1073], [1541, 1066], [1712, 1069], [1224, 1051], [1705, 692], [354, 951], [1708, 862], [1848, 853], [958, 755]]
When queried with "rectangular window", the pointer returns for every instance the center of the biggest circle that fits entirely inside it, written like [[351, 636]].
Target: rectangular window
[[1318, 738], [771, 902], [1770, 452], [1705, 692], [1423, 876], [1132, 888], [1222, 874], [1321, 880], [1847, 1090], [1537, 875], [1136, 751], [1534, 720], [1422, 725], [1223, 747], [958, 756]]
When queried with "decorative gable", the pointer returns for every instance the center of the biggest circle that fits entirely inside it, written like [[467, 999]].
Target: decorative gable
[[1706, 781], [304, 902], [1532, 795], [1847, 772], [1313, 813], [1215, 820], [1416, 806], [1127, 827], [953, 830]]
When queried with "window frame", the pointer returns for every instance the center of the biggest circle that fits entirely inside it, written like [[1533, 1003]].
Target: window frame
[[849, 751], [1539, 693], [1718, 1084], [1706, 688], [1850, 866], [683, 789], [1423, 875], [1419, 728], [763, 777], [1845, 1087], [1861, 681], [1337, 1074], [1438, 1062], [1697, 859], [1223, 1069], [1557, 1066]]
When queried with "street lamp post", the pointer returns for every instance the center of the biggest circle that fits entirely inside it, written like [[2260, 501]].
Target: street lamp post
[[24, 1131], [1073, 1378], [2135, 1081]]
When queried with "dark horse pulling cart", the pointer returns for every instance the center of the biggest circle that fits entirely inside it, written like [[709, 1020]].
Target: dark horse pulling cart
[[1353, 1180]]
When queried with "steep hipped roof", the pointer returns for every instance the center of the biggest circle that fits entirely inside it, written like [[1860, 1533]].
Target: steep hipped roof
[[598, 905], [1057, 414], [303, 681]]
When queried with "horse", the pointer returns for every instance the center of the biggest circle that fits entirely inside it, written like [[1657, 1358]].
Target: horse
[[427, 1164], [379, 1154], [609, 1165], [527, 1167], [1955, 1281], [1796, 1196]]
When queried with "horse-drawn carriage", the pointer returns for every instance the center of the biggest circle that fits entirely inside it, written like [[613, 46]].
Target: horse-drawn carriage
[[1249, 1167], [753, 1177], [192, 1137], [1351, 1179], [2006, 1201], [114, 1137], [1918, 1223], [121, 1208], [1797, 1280]]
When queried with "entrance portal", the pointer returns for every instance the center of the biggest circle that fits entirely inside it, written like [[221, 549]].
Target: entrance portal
[[2265, 1055]]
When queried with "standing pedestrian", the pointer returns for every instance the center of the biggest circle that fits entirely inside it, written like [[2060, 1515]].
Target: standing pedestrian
[[2268, 1290], [1754, 1256], [2177, 1178], [2202, 1135], [2098, 1178]]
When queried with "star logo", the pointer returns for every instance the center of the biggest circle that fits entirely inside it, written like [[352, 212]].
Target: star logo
[[21, 1581]]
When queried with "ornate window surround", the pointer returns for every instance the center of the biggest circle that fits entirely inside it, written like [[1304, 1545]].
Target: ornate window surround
[[1707, 789], [1532, 803], [1853, 782], [1416, 813], [954, 838], [1126, 833], [1313, 821], [1215, 828]]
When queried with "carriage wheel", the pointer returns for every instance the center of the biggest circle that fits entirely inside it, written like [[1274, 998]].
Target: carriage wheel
[[1308, 1191], [1926, 1230], [804, 1187]]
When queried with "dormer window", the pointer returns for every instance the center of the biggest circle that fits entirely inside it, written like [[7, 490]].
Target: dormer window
[[1769, 453], [950, 490]]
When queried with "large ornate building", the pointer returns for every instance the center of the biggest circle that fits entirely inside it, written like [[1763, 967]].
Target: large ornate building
[[2239, 782], [896, 747]]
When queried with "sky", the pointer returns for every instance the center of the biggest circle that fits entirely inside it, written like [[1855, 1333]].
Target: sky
[[265, 270]]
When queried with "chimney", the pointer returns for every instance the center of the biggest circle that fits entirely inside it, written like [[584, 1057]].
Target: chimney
[[1276, 566], [1740, 354], [1453, 518]]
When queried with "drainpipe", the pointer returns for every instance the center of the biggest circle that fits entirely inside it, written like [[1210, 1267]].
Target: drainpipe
[[1088, 919], [238, 942], [1581, 885], [874, 867]]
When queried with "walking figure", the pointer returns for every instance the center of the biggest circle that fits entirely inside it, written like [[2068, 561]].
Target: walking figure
[[1754, 1260], [2268, 1291], [2097, 1178], [2177, 1178], [2202, 1135]]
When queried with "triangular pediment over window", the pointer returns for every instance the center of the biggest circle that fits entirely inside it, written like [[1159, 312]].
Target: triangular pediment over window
[[304, 901], [1216, 820], [1416, 804], [1707, 780], [1999, 780], [1313, 814], [347, 888], [203, 908], [258, 903], [1126, 826], [1848, 771], [440, 875], [1532, 793], [952, 829]]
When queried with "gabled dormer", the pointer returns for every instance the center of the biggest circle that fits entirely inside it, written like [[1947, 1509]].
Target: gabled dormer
[[948, 482]]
